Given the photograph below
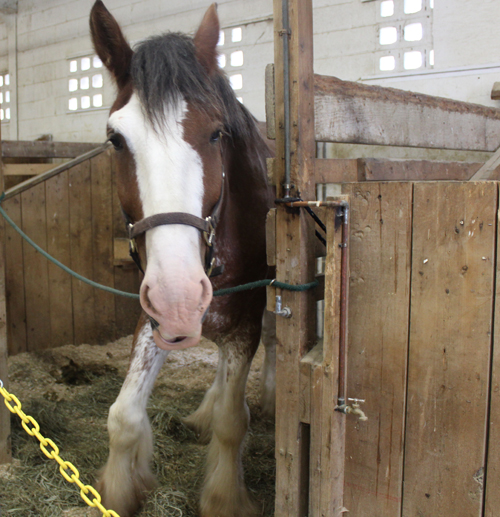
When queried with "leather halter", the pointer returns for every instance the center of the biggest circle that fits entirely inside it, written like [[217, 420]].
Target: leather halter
[[207, 226]]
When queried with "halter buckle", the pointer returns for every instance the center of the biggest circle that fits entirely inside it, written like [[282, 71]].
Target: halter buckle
[[210, 234], [131, 241]]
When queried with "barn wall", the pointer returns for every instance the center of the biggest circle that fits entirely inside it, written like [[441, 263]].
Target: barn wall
[[461, 33], [52, 32], [49, 33]]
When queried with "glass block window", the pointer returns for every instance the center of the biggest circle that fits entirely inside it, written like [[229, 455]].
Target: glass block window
[[404, 35], [5, 97], [85, 83], [232, 59]]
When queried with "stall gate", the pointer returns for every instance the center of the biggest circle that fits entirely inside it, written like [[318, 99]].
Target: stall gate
[[76, 217]]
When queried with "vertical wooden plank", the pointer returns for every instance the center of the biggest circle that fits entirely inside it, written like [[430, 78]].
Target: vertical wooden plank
[[5, 443], [103, 251], [379, 297], [294, 249], [14, 279], [36, 273], [80, 219], [126, 278], [295, 337], [492, 487], [454, 231], [327, 425], [58, 245]]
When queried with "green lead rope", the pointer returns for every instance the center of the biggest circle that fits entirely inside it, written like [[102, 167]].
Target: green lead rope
[[220, 292]]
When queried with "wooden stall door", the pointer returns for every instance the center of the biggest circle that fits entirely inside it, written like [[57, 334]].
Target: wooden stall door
[[380, 270], [451, 323], [420, 335]]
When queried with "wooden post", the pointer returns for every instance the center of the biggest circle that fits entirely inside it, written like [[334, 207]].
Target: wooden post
[[5, 446], [295, 264]]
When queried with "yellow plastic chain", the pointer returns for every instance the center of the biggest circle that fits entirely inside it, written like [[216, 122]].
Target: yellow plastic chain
[[54, 453]]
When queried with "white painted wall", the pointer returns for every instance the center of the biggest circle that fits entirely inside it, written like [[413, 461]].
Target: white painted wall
[[37, 43], [51, 32], [462, 33]]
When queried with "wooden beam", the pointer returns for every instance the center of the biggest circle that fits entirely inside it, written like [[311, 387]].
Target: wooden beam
[[374, 169], [25, 185], [451, 314], [26, 169], [5, 444], [294, 253], [337, 171], [44, 149], [492, 488], [489, 170], [419, 170], [358, 113]]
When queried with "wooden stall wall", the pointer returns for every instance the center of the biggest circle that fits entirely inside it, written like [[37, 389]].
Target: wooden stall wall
[[421, 312], [76, 217]]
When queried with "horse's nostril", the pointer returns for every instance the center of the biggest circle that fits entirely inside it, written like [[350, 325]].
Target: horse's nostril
[[146, 302]]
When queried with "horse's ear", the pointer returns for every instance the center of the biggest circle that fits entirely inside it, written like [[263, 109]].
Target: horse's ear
[[110, 44], [206, 39]]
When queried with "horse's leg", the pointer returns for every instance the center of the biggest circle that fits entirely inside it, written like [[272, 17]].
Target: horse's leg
[[201, 420], [268, 372], [224, 493], [126, 478]]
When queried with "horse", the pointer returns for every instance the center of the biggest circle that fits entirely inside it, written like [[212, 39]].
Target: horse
[[192, 183]]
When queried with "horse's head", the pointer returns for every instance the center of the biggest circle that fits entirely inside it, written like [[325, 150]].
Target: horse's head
[[166, 126]]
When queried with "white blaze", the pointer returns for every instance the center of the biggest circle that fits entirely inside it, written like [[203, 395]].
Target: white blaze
[[169, 175]]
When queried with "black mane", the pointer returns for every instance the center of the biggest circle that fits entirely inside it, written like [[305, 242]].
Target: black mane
[[165, 68]]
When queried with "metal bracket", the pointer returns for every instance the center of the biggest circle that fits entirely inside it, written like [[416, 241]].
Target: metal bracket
[[285, 312]]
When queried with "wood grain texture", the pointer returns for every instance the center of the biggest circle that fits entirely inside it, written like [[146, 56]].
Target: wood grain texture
[[294, 252], [492, 487], [27, 169], [80, 220], [36, 272], [419, 170], [489, 170], [5, 440], [328, 427], [337, 171], [14, 279], [295, 336], [358, 113], [454, 232], [379, 294], [44, 149], [58, 169], [102, 237], [58, 245]]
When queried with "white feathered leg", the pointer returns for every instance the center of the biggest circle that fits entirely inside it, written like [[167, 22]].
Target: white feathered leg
[[126, 478]]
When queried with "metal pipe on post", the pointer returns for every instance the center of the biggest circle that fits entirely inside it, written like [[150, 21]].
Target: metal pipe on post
[[285, 34]]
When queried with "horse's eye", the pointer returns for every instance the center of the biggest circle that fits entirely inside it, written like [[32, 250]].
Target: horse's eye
[[216, 135], [116, 140]]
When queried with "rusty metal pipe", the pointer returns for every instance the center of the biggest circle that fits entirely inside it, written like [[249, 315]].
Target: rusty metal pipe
[[344, 298], [344, 286]]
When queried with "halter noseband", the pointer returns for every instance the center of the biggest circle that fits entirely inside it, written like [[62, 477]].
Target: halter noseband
[[206, 226]]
